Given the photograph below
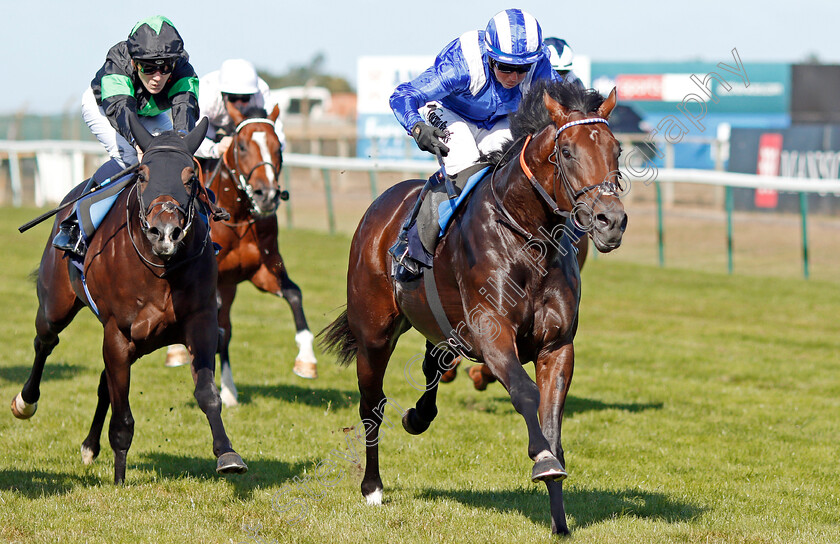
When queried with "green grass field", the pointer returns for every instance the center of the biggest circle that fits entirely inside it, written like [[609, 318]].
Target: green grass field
[[705, 408]]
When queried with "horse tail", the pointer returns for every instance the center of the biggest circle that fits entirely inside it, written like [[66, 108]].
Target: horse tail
[[338, 339]]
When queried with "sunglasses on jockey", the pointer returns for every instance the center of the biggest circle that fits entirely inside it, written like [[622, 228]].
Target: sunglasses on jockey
[[238, 97], [510, 68], [154, 66]]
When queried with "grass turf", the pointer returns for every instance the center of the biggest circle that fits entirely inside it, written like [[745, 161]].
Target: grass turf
[[704, 408]]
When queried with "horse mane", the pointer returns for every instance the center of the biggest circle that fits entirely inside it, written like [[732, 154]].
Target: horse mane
[[532, 115], [255, 112]]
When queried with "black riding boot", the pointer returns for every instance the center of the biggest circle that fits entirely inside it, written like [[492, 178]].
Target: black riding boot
[[69, 237], [409, 268]]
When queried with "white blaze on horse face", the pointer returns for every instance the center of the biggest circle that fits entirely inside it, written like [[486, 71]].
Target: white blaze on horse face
[[592, 135], [261, 139]]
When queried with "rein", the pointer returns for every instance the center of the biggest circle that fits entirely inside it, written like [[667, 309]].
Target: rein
[[605, 187], [241, 180]]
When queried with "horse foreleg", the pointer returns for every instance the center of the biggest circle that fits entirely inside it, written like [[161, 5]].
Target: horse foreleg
[[229, 394], [273, 278], [436, 363], [202, 338], [118, 358], [554, 376], [525, 397], [90, 446]]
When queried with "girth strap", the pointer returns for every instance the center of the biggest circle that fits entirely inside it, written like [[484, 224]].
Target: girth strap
[[433, 299]]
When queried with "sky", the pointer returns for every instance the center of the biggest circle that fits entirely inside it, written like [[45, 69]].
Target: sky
[[52, 49]]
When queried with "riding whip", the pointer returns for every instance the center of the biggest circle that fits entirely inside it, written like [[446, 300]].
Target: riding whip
[[41, 218]]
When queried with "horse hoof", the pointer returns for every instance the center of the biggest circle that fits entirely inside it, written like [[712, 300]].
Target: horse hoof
[[177, 355], [306, 370], [21, 409], [229, 398], [413, 423], [88, 455], [477, 377], [548, 469], [231, 463], [452, 373]]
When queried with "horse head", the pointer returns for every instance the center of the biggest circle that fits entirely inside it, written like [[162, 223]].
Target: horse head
[[167, 185], [583, 154], [254, 159]]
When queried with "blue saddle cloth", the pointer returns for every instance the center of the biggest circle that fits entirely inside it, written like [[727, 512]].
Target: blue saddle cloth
[[447, 208]]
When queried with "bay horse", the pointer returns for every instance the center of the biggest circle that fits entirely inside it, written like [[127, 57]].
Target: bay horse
[[150, 278], [480, 374], [503, 272], [247, 184]]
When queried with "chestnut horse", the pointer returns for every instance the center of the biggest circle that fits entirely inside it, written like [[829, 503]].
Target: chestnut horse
[[504, 272], [247, 184], [150, 277]]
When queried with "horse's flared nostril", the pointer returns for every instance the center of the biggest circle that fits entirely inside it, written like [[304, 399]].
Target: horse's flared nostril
[[623, 225], [154, 233], [177, 234]]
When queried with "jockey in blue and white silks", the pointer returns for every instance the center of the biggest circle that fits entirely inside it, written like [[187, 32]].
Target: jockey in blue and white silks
[[475, 82], [459, 107]]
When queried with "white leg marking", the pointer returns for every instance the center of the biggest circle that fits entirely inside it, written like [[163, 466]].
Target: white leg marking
[[375, 498], [304, 341], [544, 454], [87, 455]]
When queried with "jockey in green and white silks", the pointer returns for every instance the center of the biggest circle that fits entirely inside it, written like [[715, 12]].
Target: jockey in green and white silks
[[148, 74], [122, 85]]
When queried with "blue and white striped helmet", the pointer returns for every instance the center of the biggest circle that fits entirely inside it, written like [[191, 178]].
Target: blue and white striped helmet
[[514, 37]]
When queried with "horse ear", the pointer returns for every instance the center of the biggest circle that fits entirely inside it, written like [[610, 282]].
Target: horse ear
[[234, 113], [558, 112], [141, 135], [606, 108], [275, 113], [196, 135]]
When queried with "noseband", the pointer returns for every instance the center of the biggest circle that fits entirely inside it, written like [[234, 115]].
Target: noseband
[[606, 187], [243, 181]]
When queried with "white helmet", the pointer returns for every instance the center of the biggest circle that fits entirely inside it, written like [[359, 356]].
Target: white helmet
[[238, 76], [560, 54]]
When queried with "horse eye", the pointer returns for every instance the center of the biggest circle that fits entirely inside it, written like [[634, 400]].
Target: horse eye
[[242, 147], [566, 153]]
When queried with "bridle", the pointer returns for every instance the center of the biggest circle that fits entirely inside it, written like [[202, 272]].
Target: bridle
[[242, 180], [167, 206], [606, 187]]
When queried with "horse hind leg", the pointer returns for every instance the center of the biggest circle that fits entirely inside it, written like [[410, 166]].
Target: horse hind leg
[[25, 403], [436, 363], [224, 296], [91, 445], [305, 361]]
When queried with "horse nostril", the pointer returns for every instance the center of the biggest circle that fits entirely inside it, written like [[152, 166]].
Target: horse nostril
[[623, 225], [177, 234], [153, 231], [602, 220]]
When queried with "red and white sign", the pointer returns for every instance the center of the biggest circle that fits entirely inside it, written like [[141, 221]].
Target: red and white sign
[[639, 87], [769, 156]]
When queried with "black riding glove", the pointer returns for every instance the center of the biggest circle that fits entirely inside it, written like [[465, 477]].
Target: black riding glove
[[428, 138]]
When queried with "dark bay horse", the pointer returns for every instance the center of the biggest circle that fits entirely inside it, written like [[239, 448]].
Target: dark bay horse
[[247, 185], [504, 273], [150, 277]]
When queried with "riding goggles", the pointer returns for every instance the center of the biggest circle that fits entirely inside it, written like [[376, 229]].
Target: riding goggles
[[238, 97], [511, 68], [151, 67]]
